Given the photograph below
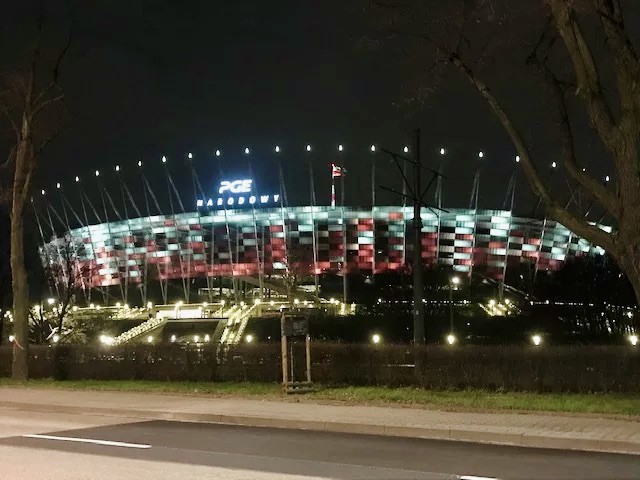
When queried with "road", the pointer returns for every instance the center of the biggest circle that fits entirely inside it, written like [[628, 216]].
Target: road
[[40, 446]]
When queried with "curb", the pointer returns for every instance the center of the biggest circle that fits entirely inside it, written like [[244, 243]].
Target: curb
[[474, 436]]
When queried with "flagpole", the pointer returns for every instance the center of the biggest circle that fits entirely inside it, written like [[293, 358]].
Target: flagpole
[[333, 188]]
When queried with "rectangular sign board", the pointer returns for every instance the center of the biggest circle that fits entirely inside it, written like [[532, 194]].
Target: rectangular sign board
[[294, 325]]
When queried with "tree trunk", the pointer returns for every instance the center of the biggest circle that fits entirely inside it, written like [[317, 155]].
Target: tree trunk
[[20, 368], [21, 180]]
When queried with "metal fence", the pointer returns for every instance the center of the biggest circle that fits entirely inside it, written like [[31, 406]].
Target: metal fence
[[511, 368]]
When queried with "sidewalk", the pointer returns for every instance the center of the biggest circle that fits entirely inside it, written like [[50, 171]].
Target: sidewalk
[[523, 429]]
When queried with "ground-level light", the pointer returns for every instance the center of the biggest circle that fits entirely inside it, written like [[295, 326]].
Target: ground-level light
[[633, 340], [249, 338], [173, 338], [196, 338], [207, 338], [12, 338], [451, 339], [50, 301]]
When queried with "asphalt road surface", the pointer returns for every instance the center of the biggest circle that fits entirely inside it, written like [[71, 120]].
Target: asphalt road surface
[[59, 446]]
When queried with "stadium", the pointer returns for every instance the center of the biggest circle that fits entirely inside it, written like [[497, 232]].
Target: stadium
[[246, 235]]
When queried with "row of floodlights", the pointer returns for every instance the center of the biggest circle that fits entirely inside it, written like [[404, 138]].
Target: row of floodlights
[[536, 339], [376, 339], [308, 148]]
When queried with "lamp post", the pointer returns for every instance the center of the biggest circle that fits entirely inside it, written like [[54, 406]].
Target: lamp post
[[453, 282]]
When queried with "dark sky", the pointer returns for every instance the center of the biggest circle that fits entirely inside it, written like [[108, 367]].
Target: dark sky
[[158, 77]]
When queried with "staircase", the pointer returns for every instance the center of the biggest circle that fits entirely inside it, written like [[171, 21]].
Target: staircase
[[236, 324], [141, 329]]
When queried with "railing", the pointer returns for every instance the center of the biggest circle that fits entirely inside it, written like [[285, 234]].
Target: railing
[[139, 330], [236, 325]]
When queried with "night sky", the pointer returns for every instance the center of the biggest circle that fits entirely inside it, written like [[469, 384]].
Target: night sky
[[150, 78]]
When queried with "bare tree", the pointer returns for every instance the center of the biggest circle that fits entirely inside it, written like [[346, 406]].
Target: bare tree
[[64, 274], [31, 101], [579, 81], [298, 263]]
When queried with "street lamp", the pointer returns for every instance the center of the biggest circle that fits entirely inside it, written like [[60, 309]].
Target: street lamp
[[633, 340], [536, 339], [451, 339], [453, 283], [375, 338], [249, 338]]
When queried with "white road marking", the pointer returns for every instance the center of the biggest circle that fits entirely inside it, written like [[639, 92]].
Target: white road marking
[[471, 477], [107, 443]]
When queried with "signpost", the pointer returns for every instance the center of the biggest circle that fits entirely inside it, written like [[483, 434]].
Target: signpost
[[294, 325]]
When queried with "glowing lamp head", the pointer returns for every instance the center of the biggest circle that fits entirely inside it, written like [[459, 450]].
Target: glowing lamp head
[[77, 179], [246, 151], [442, 151], [455, 280], [376, 339], [536, 340], [42, 192], [150, 339], [308, 148], [58, 185], [164, 159], [340, 148], [117, 168], [554, 164], [480, 154], [139, 163], [451, 339], [607, 179], [97, 173], [277, 149], [217, 153], [517, 158], [249, 338], [633, 340], [55, 338], [196, 338], [405, 149], [373, 148], [189, 155]]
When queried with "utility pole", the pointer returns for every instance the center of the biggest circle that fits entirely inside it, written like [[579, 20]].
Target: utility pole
[[414, 192], [418, 306]]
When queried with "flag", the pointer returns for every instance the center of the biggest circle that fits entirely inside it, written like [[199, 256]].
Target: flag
[[337, 171]]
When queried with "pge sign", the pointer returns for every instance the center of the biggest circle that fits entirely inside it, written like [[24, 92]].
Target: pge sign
[[235, 186]]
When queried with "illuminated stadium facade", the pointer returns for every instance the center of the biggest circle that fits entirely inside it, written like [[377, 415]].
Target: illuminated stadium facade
[[240, 233], [256, 242]]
